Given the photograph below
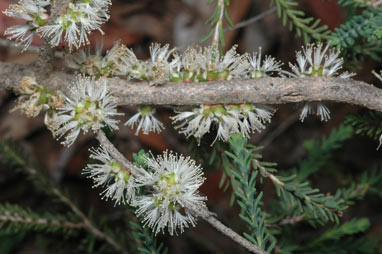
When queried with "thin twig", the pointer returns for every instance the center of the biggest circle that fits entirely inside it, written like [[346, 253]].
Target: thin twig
[[199, 211], [40, 221], [263, 91], [251, 20], [292, 220], [276, 180], [219, 22], [106, 144], [210, 218]]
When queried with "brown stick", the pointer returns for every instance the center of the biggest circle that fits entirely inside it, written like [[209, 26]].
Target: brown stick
[[265, 90]]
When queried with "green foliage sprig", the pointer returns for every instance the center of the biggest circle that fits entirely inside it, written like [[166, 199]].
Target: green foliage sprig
[[13, 218], [307, 27], [215, 19], [356, 3], [368, 183], [360, 35], [248, 198], [341, 239], [369, 124]]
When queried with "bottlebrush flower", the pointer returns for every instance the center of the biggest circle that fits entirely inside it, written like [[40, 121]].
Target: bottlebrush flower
[[89, 106], [172, 182], [120, 184], [145, 120], [316, 61]]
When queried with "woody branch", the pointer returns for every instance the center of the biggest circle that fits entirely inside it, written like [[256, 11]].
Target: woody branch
[[265, 90]]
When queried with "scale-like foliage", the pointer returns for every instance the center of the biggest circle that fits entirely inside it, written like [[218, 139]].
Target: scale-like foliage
[[360, 35], [307, 27]]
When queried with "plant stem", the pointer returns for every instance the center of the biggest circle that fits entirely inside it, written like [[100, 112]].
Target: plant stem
[[199, 211], [219, 22]]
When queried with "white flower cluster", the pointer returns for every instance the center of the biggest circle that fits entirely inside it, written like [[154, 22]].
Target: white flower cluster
[[173, 182], [89, 106], [316, 61], [120, 184], [75, 24], [145, 120], [230, 119], [96, 64], [164, 64], [35, 15], [194, 65]]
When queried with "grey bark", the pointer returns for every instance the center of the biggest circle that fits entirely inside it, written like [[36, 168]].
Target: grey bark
[[264, 91]]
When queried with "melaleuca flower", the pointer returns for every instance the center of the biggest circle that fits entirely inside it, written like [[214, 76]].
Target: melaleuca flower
[[315, 61], [217, 67], [119, 183], [191, 61], [321, 110], [260, 69], [95, 64], [207, 64], [34, 98], [102, 7], [145, 120], [158, 68], [131, 66], [199, 121], [172, 182], [89, 106], [245, 119], [78, 21], [252, 117], [34, 13], [176, 72]]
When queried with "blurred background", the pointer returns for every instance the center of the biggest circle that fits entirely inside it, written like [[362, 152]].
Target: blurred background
[[138, 23]]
